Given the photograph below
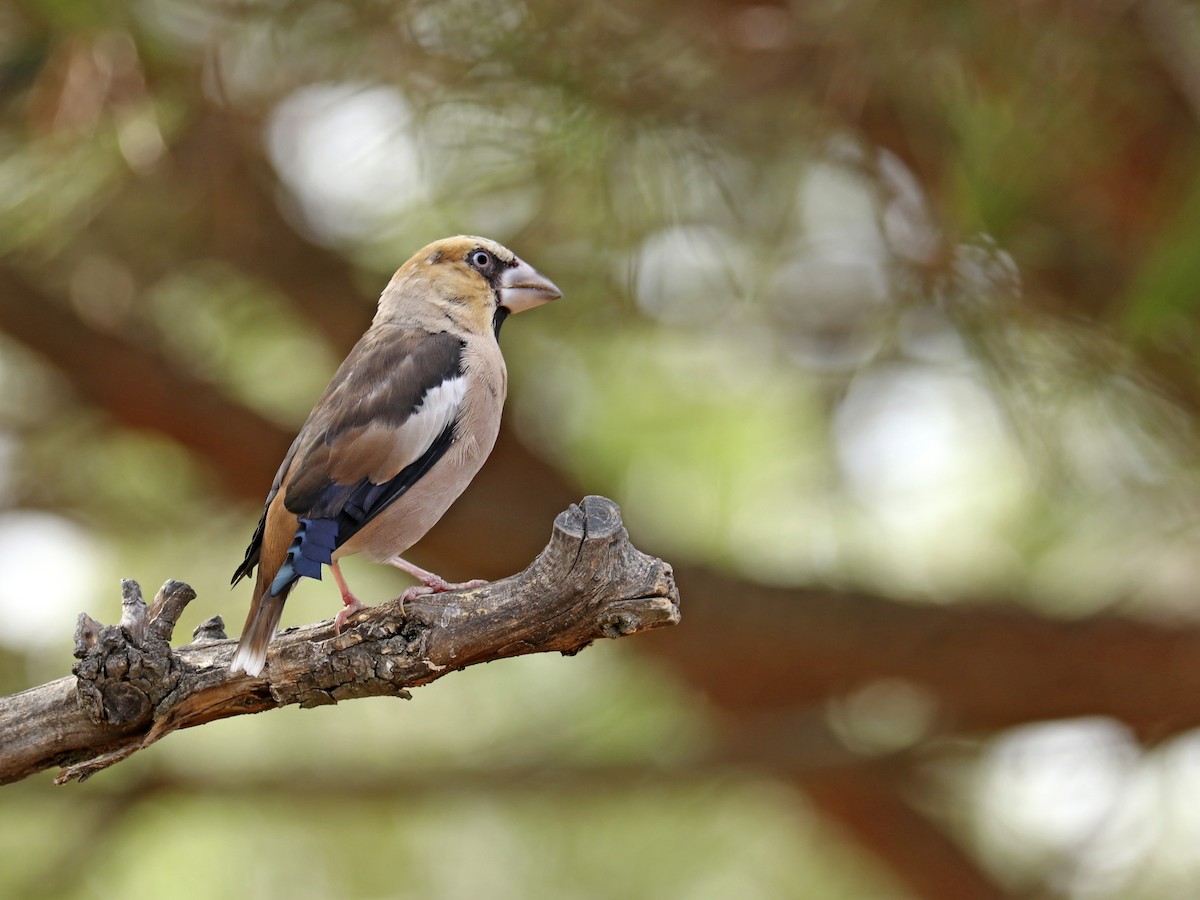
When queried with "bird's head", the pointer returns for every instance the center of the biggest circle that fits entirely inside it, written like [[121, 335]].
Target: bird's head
[[472, 280]]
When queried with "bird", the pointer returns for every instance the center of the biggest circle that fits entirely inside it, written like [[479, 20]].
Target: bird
[[406, 422]]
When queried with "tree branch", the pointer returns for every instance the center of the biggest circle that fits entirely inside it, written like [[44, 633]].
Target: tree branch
[[131, 688], [867, 802], [140, 387], [793, 649]]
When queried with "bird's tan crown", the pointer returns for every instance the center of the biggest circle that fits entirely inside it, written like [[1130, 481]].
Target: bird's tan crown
[[456, 249]]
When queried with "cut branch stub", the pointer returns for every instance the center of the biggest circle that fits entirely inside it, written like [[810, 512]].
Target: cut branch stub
[[125, 670], [131, 688], [599, 579]]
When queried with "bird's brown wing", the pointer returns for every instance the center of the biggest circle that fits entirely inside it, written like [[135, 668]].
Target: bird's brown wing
[[387, 416]]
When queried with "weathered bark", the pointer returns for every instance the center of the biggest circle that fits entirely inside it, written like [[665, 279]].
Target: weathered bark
[[131, 688]]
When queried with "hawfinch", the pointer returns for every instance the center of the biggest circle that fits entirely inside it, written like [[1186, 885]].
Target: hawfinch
[[403, 427]]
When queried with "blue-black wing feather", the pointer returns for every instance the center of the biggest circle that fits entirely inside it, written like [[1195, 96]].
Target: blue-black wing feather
[[347, 509]]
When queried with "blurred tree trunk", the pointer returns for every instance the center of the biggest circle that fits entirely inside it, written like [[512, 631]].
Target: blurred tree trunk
[[762, 655]]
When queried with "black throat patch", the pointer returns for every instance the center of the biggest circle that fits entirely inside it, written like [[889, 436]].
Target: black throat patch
[[502, 313]]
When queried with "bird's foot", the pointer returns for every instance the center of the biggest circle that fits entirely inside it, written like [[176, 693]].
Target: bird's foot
[[435, 584], [431, 583], [352, 608], [352, 605]]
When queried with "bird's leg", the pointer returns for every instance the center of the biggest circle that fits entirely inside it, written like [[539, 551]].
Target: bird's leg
[[430, 583], [352, 603]]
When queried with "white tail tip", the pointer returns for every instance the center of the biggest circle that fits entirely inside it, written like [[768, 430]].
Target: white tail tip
[[246, 660]]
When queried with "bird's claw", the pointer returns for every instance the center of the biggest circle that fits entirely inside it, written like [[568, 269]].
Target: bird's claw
[[347, 612], [417, 590]]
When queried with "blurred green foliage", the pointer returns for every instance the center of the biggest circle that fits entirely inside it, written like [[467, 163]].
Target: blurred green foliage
[[899, 297]]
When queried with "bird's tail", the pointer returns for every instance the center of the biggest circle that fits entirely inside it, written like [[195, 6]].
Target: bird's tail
[[251, 654]]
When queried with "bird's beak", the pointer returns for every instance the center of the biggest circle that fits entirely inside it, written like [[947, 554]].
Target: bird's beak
[[523, 287]]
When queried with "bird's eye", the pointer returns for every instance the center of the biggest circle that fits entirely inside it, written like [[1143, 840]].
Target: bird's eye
[[481, 259]]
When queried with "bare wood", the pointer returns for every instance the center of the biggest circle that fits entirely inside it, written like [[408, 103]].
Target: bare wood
[[131, 688]]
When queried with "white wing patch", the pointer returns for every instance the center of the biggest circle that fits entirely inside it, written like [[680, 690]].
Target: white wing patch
[[437, 409]]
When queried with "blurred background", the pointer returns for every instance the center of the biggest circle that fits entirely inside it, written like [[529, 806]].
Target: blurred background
[[880, 323]]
